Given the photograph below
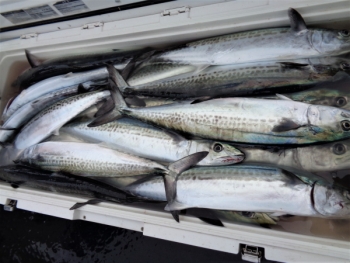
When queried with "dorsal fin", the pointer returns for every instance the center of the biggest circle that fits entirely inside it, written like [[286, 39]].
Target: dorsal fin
[[283, 97], [32, 60], [297, 22]]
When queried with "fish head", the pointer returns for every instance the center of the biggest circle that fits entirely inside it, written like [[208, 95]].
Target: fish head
[[330, 201], [330, 156], [330, 42], [219, 153], [328, 123]]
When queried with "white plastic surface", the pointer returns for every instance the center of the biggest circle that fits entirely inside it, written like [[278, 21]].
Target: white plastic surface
[[157, 30]]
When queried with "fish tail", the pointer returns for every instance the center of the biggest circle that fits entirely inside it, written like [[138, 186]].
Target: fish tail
[[114, 107], [174, 170]]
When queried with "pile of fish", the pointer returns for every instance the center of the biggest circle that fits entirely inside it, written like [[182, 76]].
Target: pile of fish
[[247, 125]]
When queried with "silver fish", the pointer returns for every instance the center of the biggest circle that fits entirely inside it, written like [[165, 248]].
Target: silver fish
[[144, 140], [247, 217], [87, 159], [53, 84], [336, 94], [29, 110], [156, 71], [260, 45], [248, 188], [244, 79], [327, 157], [51, 119], [246, 120]]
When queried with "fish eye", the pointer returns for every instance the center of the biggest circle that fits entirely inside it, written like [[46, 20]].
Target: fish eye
[[248, 214], [339, 149], [345, 65], [340, 101], [345, 125], [218, 147], [344, 33]]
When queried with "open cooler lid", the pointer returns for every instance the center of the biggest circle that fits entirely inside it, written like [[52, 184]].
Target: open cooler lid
[[156, 26]]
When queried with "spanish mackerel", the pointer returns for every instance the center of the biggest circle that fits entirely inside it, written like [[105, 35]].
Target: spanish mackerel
[[248, 188], [71, 63], [53, 84], [262, 45], [336, 93], [50, 120], [243, 79], [29, 110], [20, 176], [248, 120], [144, 140], [328, 157]]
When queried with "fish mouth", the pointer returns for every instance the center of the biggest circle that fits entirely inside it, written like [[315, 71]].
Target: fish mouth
[[232, 159]]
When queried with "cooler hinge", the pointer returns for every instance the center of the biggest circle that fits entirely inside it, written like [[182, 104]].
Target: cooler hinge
[[251, 253], [176, 11], [92, 25]]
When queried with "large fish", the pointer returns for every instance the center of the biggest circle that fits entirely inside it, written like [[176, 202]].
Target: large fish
[[88, 78], [144, 140], [298, 41], [247, 120], [71, 63], [328, 157], [243, 79], [50, 120], [248, 188], [29, 110]]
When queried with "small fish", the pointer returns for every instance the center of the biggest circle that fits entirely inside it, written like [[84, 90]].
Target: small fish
[[50, 120], [29, 110], [87, 79], [146, 141]]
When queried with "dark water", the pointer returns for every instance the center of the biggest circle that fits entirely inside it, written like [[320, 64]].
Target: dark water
[[31, 237]]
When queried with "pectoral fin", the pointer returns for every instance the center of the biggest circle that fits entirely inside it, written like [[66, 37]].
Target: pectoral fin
[[286, 125]]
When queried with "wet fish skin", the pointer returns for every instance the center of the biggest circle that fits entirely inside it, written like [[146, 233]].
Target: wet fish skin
[[29, 110], [53, 84], [235, 119], [247, 217], [54, 117], [86, 160], [150, 72], [144, 140], [73, 63], [295, 42], [332, 156], [248, 188], [19, 176], [243, 79]]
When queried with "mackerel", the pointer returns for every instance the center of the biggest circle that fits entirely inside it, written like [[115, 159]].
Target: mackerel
[[298, 41], [29, 110], [328, 157], [248, 188], [144, 140], [247, 120], [244, 79], [50, 120], [46, 86]]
